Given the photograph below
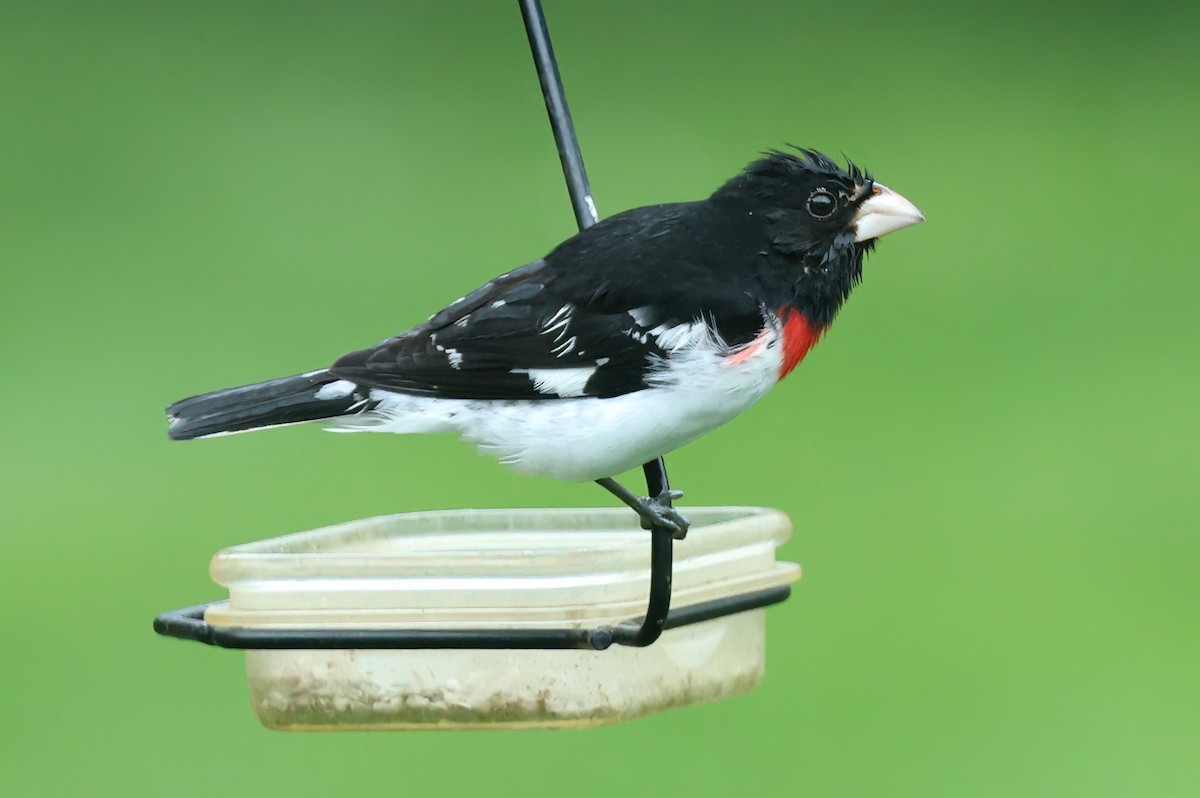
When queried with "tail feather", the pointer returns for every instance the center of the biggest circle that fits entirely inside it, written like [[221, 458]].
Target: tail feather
[[289, 400]]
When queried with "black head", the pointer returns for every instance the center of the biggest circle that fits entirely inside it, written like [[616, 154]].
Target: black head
[[820, 219], [805, 180]]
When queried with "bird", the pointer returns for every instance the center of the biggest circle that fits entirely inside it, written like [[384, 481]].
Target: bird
[[627, 341]]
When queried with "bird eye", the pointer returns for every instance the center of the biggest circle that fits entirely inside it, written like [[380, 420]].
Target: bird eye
[[821, 204]]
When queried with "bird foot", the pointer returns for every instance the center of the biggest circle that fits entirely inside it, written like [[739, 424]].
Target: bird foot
[[655, 512], [658, 512]]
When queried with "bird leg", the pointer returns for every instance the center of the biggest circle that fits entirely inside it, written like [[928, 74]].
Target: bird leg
[[654, 512]]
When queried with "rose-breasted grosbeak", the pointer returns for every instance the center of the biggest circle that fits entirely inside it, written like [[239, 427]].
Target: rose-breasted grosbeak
[[627, 341]]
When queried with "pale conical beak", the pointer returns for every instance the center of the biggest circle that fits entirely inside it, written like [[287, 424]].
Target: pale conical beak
[[884, 212]]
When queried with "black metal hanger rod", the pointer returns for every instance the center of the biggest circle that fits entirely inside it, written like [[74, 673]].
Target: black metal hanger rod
[[560, 116], [661, 554]]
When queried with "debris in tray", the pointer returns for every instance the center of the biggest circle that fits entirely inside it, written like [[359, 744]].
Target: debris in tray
[[460, 689]]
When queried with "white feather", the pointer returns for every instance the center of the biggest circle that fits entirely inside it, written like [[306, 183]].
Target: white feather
[[336, 390], [642, 316], [564, 383], [673, 337], [558, 323], [564, 348]]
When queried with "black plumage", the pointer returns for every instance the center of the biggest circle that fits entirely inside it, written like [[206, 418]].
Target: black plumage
[[732, 261]]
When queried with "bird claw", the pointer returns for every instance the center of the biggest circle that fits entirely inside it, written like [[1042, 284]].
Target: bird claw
[[658, 512]]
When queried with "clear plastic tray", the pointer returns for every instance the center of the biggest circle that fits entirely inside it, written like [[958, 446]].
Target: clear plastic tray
[[493, 569]]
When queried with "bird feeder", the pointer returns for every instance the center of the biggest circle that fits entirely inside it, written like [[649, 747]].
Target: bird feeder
[[499, 618]]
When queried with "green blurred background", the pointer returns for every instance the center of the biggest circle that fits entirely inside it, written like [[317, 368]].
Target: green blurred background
[[991, 461]]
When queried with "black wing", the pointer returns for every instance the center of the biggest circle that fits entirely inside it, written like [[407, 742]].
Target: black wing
[[590, 307]]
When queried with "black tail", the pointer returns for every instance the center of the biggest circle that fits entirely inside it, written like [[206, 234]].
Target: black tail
[[307, 397]]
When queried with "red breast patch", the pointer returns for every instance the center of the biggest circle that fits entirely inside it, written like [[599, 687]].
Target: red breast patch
[[798, 337]]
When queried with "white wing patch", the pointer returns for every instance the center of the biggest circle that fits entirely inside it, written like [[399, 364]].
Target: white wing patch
[[565, 383]]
